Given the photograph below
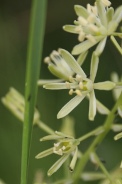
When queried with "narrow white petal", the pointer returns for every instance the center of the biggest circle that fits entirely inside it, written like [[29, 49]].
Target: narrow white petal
[[85, 45], [101, 12], [109, 14], [44, 153], [73, 161], [94, 66], [70, 28], [72, 63], [118, 136], [118, 15], [81, 11], [100, 47], [82, 58], [51, 137], [92, 176], [57, 86], [57, 164], [70, 106], [107, 85], [44, 81], [92, 106], [101, 108]]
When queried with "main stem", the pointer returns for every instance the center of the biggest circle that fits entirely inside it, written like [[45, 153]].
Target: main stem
[[36, 36], [97, 140]]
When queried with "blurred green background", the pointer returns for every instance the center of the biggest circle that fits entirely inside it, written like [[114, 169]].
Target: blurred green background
[[14, 29]]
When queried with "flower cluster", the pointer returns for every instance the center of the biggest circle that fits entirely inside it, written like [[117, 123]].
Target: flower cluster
[[94, 24], [64, 147]]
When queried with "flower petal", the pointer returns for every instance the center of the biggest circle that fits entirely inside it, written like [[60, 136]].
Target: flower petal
[[72, 62], [94, 66], [101, 108], [109, 14], [44, 153], [118, 136], [100, 47], [81, 11], [118, 15], [70, 28], [51, 137], [70, 106], [101, 12], [107, 85], [73, 161], [44, 81], [56, 86], [85, 45], [92, 106], [57, 164], [120, 110], [82, 58]]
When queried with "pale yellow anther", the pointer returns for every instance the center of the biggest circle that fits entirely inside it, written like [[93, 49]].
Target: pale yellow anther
[[78, 92], [47, 60], [91, 38], [93, 28], [71, 91], [81, 36], [82, 21], [63, 147], [81, 85], [78, 77], [67, 85]]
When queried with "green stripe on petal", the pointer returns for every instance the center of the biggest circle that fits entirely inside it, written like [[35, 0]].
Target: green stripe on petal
[[72, 62], [81, 11], [70, 28], [44, 153], [57, 164], [94, 66], [92, 106], [70, 106], [85, 45], [107, 85], [101, 12]]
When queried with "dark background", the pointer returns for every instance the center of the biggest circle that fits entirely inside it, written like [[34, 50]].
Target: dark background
[[14, 28]]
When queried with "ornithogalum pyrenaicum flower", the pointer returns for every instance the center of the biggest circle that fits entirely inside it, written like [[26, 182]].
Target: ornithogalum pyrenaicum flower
[[65, 145], [94, 24], [77, 82]]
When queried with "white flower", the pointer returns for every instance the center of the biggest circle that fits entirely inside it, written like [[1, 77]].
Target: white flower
[[79, 84], [94, 24], [64, 147]]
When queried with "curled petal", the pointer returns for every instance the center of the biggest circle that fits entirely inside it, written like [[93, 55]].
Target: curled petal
[[57, 164], [70, 106], [44, 153], [107, 85]]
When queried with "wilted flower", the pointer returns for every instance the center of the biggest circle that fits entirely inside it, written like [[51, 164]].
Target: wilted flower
[[77, 82], [94, 24], [65, 146]]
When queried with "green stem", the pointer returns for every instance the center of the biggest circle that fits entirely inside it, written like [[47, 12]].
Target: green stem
[[92, 133], [116, 44], [100, 164], [34, 54], [107, 126]]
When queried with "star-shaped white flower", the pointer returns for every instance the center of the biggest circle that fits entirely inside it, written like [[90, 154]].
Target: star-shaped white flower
[[64, 147], [78, 83], [94, 24]]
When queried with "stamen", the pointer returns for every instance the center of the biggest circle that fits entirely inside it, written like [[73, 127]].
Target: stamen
[[81, 85], [71, 91], [78, 92], [81, 36], [67, 85], [106, 3], [47, 60], [82, 21], [91, 38], [93, 28]]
